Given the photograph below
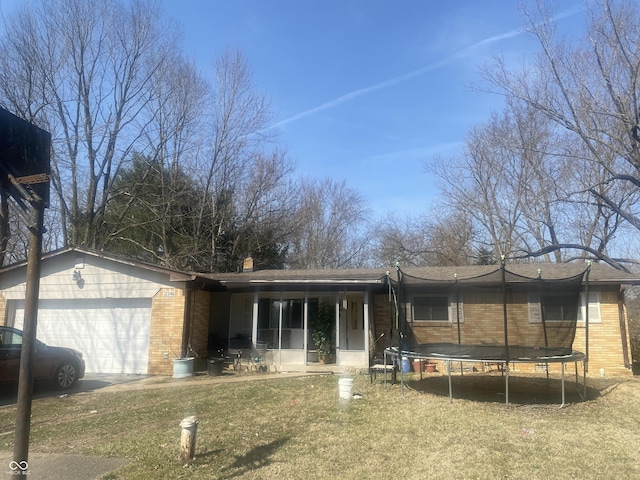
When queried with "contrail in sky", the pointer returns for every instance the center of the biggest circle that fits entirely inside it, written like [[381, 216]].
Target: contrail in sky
[[416, 73]]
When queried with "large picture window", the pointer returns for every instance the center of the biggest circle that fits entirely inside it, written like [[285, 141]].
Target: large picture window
[[291, 334], [269, 313]]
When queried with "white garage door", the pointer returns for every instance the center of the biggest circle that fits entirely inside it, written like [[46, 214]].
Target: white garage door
[[113, 334]]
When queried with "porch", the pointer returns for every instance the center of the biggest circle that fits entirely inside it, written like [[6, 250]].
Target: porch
[[284, 322]]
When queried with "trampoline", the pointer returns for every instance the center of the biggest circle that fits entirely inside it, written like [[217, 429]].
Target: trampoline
[[482, 354], [512, 319]]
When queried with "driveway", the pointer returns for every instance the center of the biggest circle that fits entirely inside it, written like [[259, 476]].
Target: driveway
[[90, 383]]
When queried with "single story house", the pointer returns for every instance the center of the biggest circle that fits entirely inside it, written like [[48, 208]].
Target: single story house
[[131, 317], [449, 305]]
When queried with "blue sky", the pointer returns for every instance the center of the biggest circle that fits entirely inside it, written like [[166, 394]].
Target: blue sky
[[365, 90]]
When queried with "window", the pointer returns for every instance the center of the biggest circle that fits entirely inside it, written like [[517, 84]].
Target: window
[[9, 338], [594, 308], [269, 313], [559, 308], [436, 308]]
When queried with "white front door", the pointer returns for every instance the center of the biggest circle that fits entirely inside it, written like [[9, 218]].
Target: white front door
[[353, 325]]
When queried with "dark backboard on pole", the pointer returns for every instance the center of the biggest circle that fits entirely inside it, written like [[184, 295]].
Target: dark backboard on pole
[[24, 154]]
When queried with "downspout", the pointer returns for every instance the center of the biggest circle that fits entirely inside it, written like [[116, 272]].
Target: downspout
[[586, 321], [623, 327], [187, 321]]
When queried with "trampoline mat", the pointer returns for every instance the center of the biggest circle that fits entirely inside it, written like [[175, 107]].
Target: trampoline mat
[[491, 353]]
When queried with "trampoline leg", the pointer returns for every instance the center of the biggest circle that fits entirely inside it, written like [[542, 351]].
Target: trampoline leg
[[562, 369], [400, 366], [384, 359], [506, 383], [584, 379], [449, 370]]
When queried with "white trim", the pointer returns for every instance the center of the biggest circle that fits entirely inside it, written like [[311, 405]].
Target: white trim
[[595, 315]]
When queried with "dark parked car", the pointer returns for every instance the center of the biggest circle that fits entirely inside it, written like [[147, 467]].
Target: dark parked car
[[62, 367]]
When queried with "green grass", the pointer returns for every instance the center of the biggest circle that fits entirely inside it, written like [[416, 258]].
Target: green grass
[[292, 428]]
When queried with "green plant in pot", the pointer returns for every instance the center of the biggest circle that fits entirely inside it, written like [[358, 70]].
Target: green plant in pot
[[322, 323]]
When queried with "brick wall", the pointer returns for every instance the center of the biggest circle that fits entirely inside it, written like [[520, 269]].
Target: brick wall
[[484, 323], [167, 322], [605, 339], [200, 323]]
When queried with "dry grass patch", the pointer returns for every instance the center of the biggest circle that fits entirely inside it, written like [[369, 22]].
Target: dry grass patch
[[292, 428]]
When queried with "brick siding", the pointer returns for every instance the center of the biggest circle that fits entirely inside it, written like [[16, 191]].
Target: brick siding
[[605, 338], [167, 323]]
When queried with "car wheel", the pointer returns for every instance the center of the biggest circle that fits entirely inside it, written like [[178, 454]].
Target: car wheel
[[66, 375]]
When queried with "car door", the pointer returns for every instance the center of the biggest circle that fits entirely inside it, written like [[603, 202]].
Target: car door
[[10, 350]]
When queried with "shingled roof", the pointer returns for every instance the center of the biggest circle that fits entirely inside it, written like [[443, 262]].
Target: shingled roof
[[599, 274]]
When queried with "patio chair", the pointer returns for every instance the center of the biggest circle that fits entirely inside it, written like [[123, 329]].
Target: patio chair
[[377, 365], [238, 357], [258, 357]]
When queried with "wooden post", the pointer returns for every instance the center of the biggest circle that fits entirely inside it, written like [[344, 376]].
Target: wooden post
[[27, 357], [188, 438]]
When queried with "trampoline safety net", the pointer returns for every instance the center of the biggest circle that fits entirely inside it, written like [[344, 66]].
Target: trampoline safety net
[[497, 316]]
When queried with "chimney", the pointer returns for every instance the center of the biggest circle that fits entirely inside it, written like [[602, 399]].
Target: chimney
[[247, 265]]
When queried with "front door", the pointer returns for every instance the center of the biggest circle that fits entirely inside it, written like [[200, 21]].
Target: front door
[[353, 324]]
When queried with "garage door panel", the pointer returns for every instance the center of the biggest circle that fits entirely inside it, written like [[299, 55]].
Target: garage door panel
[[113, 335]]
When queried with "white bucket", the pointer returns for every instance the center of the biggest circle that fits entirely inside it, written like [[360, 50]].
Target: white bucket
[[345, 388]]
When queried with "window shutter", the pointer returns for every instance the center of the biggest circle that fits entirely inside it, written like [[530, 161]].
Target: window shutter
[[535, 313], [594, 308]]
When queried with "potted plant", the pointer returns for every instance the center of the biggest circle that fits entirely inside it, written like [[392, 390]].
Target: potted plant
[[183, 364], [322, 323]]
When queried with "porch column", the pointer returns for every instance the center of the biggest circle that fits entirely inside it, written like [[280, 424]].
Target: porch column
[[337, 329], [254, 319], [365, 306], [305, 326]]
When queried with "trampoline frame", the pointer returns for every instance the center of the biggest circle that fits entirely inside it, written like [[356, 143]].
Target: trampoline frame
[[574, 357]]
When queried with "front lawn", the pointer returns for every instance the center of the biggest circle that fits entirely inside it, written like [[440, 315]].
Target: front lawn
[[294, 428]]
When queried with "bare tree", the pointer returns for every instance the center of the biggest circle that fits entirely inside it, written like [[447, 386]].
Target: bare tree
[[517, 180], [238, 122], [83, 71], [264, 211], [172, 138], [589, 89], [440, 239], [331, 226]]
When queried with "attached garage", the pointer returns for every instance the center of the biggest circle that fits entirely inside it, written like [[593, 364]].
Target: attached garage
[[124, 316], [113, 335]]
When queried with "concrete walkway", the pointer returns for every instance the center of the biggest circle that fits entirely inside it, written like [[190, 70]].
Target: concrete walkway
[[45, 466]]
